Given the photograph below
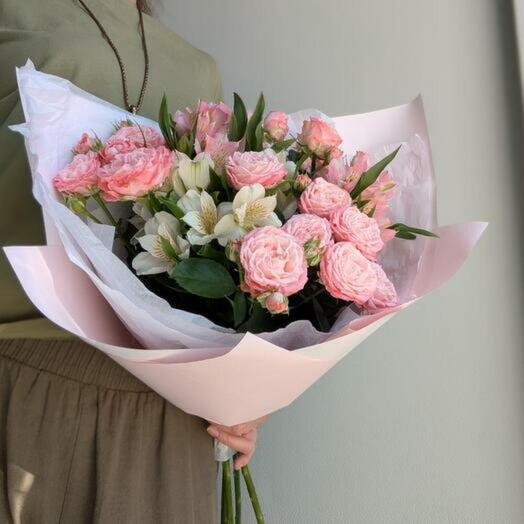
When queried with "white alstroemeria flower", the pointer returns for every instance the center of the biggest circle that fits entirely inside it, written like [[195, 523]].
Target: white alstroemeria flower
[[201, 215], [191, 174], [162, 243], [250, 209], [142, 215]]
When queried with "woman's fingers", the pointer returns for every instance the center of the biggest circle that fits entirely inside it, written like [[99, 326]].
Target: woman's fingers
[[243, 460], [242, 429], [244, 444], [241, 437]]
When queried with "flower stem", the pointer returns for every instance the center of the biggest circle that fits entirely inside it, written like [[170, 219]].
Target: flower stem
[[311, 297], [238, 497], [227, 498], [99, 200], [253, 495], [91, 216]]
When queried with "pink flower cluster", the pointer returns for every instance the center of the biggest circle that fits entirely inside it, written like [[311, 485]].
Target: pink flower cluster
[[353, 241], [132, 162]]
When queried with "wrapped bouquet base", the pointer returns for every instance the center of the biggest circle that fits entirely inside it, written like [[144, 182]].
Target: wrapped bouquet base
[[224, 385]]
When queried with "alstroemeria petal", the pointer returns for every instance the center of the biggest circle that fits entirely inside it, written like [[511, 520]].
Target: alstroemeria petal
[[146, 264], [248, 194], [227, 229]]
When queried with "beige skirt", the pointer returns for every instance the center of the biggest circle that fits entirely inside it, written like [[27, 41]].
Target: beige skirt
[[83, 441]]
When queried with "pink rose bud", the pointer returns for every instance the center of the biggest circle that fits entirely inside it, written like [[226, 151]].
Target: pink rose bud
[[256, 167], [273, 261], [321, 198], [80, 176], [132, 175], [347, 274], [275, 125], [276, 303], [385, 294], [301, 182], [84, 145], [313, 232], [319, 137], [351, 225], [128, 138]]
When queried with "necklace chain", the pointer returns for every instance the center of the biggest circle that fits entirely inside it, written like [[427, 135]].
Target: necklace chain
[[133, 108]]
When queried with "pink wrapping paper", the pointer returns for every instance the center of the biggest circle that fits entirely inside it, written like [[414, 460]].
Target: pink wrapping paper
[[223, 377]]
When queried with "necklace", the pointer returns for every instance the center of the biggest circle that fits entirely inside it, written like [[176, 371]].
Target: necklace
[[133, 108]]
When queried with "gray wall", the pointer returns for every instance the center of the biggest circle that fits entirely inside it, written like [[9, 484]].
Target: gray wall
[[424, 422]]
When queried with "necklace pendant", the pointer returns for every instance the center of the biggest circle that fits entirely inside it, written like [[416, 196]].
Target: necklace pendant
[[133, 109]]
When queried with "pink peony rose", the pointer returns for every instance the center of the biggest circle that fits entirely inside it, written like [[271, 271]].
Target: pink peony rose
[[80, 176], [385, 294], [132, 175], [213, 120], [319, 137], [347, 274], [305, 227], [257, 167], [220, 149], [129, 138], [321, 198], [274, 261], [276, 303], [351, 225], [84, 145], [275, 125]]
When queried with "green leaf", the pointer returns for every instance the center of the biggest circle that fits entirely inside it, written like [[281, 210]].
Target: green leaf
[[171, 206], [403, 228], [239, 308], [259, 137], [406, 235], [184, 145], [256, 118], [203, 277], [208, 251], [283, 144], [238, 125], [219, 183], [165, 121], [168, 248], [154, 204], [259, 320], [368, 177]]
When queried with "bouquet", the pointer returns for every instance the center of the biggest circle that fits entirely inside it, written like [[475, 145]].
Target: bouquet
[[230, 239], [238, 220]]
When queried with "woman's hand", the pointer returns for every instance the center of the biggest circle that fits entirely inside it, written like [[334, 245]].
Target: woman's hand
[[241, 438]]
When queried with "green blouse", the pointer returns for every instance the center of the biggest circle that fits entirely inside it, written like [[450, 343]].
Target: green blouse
[[61, 39]]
